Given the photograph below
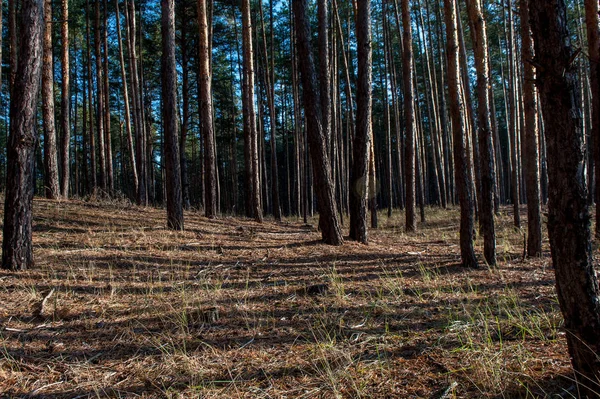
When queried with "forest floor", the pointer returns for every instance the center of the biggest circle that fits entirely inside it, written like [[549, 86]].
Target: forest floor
[[119, 306]]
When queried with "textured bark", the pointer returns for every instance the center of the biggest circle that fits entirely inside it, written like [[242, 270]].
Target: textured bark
[[126, 101], [486, 157], [100, 97], [513, 120], [170, 120], [51, 182], [359, 174], [93, 168], [17, 250], [185, 97], [409, 117], [65, 103], [463, 185], [593, 37], [140, 142], [13, 41], [250, 131], [110, 178], [330, 227], [206, 114], [568, 214], [531, 158]]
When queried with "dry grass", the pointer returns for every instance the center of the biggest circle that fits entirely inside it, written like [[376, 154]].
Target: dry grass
[[223, 310]]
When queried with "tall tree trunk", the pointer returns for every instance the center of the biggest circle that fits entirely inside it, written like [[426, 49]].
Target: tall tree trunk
[[568, 214], [463, 185], [17, 248], [250, 132], [532, 158], [126, 103], [170, 120], [185, 96], [359, 178], [110, 178], [486, 156], [50, 151], [330, 227], [93, 168], [65, 104], [409, 117], [513, 120], [206, 113], [100, 97], [593, 37]]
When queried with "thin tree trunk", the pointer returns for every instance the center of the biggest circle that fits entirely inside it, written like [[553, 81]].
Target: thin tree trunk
[[206, 113], [359, 179], [185, 95], [463, 185], [100, 98], [107, 131], [486, 158], [65, 105], [51, 181], [170, 120], [532, 172], [93, 167], [126, 103], [409, 117], [17, 248]]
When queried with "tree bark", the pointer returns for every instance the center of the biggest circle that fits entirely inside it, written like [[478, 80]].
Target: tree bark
[[100, 97], [359, 178], [568, 214], [593, 37], [206, 114], [51, 182], [463, 185], [170, 120], [250, 132], [65, 104], [486, 156], [532, 158], [409, 117], [330, 227], [126, 101], [17, 249]]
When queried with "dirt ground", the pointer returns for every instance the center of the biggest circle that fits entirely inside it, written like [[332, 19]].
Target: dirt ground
[[118, 306]]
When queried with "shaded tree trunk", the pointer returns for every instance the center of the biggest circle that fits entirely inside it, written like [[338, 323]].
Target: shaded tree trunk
[[463, 185], [330, 227], [531, 158], [17, 249], [170, 121], [568, 214], [359, 177], [486, 155], [409, 118]]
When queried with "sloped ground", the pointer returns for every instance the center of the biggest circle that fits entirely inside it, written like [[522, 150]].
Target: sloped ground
[[230, 308]]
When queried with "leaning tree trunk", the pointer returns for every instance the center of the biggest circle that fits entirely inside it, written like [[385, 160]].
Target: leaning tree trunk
[[568, 214], [206, 113], [532, 169], [170, 121], [17, 249], [51, 184], [359, 178], [486, 154], [463, 185], [65, 104], [330, 227]]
